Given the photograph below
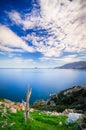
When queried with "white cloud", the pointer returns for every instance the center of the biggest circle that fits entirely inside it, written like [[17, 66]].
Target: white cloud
[[27, 21], [2, 53], [60, 61], [17, 63], [11, 42], [8, 49], [15, 16], [3, 48], [64, 23]]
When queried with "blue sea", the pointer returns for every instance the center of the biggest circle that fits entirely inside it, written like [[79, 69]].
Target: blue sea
[[14, 82]]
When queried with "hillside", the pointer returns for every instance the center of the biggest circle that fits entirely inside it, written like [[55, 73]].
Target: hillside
[[69, 101], [39, 120], [72, 98], [73, 65]]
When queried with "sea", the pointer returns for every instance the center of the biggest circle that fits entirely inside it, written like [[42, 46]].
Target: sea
[[43, 82]]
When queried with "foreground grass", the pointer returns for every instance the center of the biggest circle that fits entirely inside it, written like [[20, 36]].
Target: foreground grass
[[38, 121]]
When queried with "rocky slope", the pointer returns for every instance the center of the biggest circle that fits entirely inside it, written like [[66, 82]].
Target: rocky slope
[[72, 98], [11, 106]]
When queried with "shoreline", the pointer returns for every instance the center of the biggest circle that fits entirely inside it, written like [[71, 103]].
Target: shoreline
[[65, 99]]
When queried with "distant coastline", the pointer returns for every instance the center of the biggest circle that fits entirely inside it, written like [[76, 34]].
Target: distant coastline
[[73, 65]]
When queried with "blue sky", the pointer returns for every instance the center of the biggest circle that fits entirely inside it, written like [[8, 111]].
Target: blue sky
[[42, 33]]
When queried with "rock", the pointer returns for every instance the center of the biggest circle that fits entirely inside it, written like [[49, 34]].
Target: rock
[[11, 124], [6, 100], [55, 113], [67, 111], [31, 110], [13, 110], [52, 113], [72, 117], [23, 107], [53, 96], [46, 112], [1, 103], [52, 103], [4, 110], [7, 105], [40, 102], [17, 106]]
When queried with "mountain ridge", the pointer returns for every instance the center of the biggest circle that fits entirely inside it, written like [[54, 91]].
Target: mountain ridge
[[73, 65]]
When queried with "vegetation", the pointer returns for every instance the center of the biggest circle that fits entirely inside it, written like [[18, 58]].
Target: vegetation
[[13, 117], [38, 120], [72, 98]]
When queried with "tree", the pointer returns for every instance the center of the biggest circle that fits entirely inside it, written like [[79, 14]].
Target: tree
[[27, 104]]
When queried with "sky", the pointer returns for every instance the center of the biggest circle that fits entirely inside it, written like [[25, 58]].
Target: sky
[[42, 33]]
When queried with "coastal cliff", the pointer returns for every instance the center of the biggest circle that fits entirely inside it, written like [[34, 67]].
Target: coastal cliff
[[72, 98]]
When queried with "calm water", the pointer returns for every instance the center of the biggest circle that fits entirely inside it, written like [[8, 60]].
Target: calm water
[[14, 82]]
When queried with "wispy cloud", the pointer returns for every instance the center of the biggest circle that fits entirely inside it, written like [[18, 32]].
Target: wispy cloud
[[52, 62], [28, 21], [61, 26], [57, 30], [11, 42], [2, 53]]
